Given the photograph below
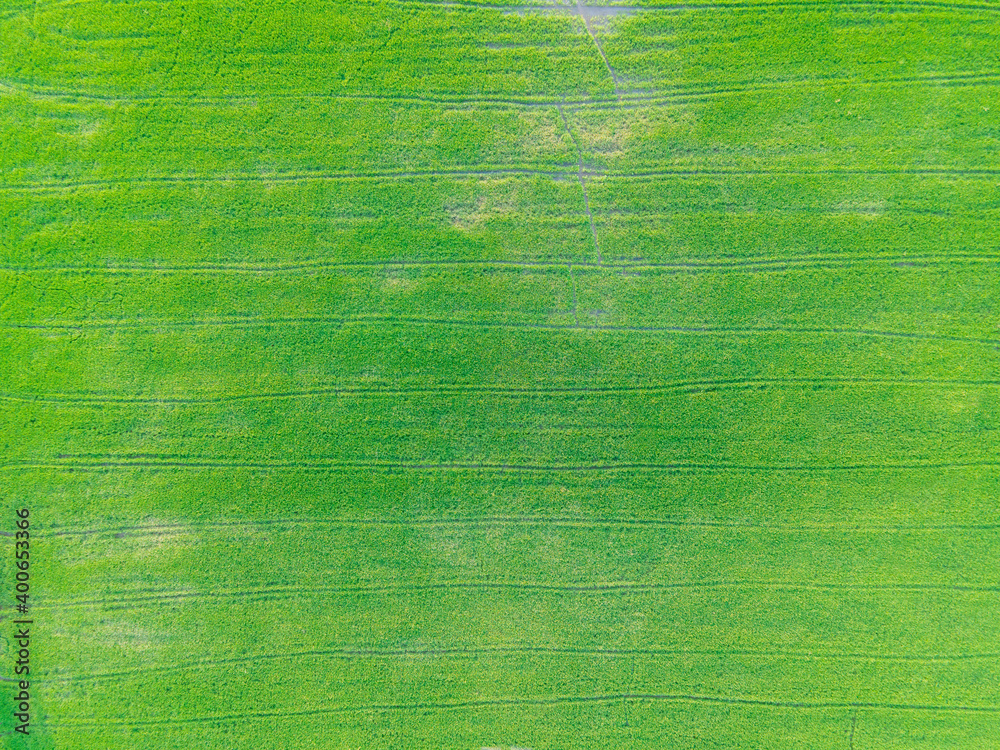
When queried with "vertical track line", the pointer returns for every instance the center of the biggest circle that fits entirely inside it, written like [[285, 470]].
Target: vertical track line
[[583, 183], [576, 319], [600, 50]]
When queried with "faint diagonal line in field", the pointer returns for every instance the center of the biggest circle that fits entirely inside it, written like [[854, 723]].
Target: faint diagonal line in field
[[586, 23], [572, 281], [583, 185], [376, 50]]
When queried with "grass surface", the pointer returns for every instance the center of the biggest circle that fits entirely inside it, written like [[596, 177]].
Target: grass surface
[[469, 375]]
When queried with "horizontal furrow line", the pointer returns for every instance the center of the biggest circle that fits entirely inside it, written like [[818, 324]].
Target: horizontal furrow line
[[460, 4], [653, 7], [111, 463], [565, 172], [337, 322], [673, 94], [695, 171], [670, 7], [67, 723], [285, 593], [696, 93], [607, 266], [348, 391], [474, 522], [475, 652]]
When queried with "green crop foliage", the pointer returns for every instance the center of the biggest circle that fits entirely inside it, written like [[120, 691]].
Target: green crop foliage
[[403, 375]]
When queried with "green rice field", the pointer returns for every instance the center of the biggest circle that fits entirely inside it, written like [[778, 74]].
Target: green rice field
[[417, 375]]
